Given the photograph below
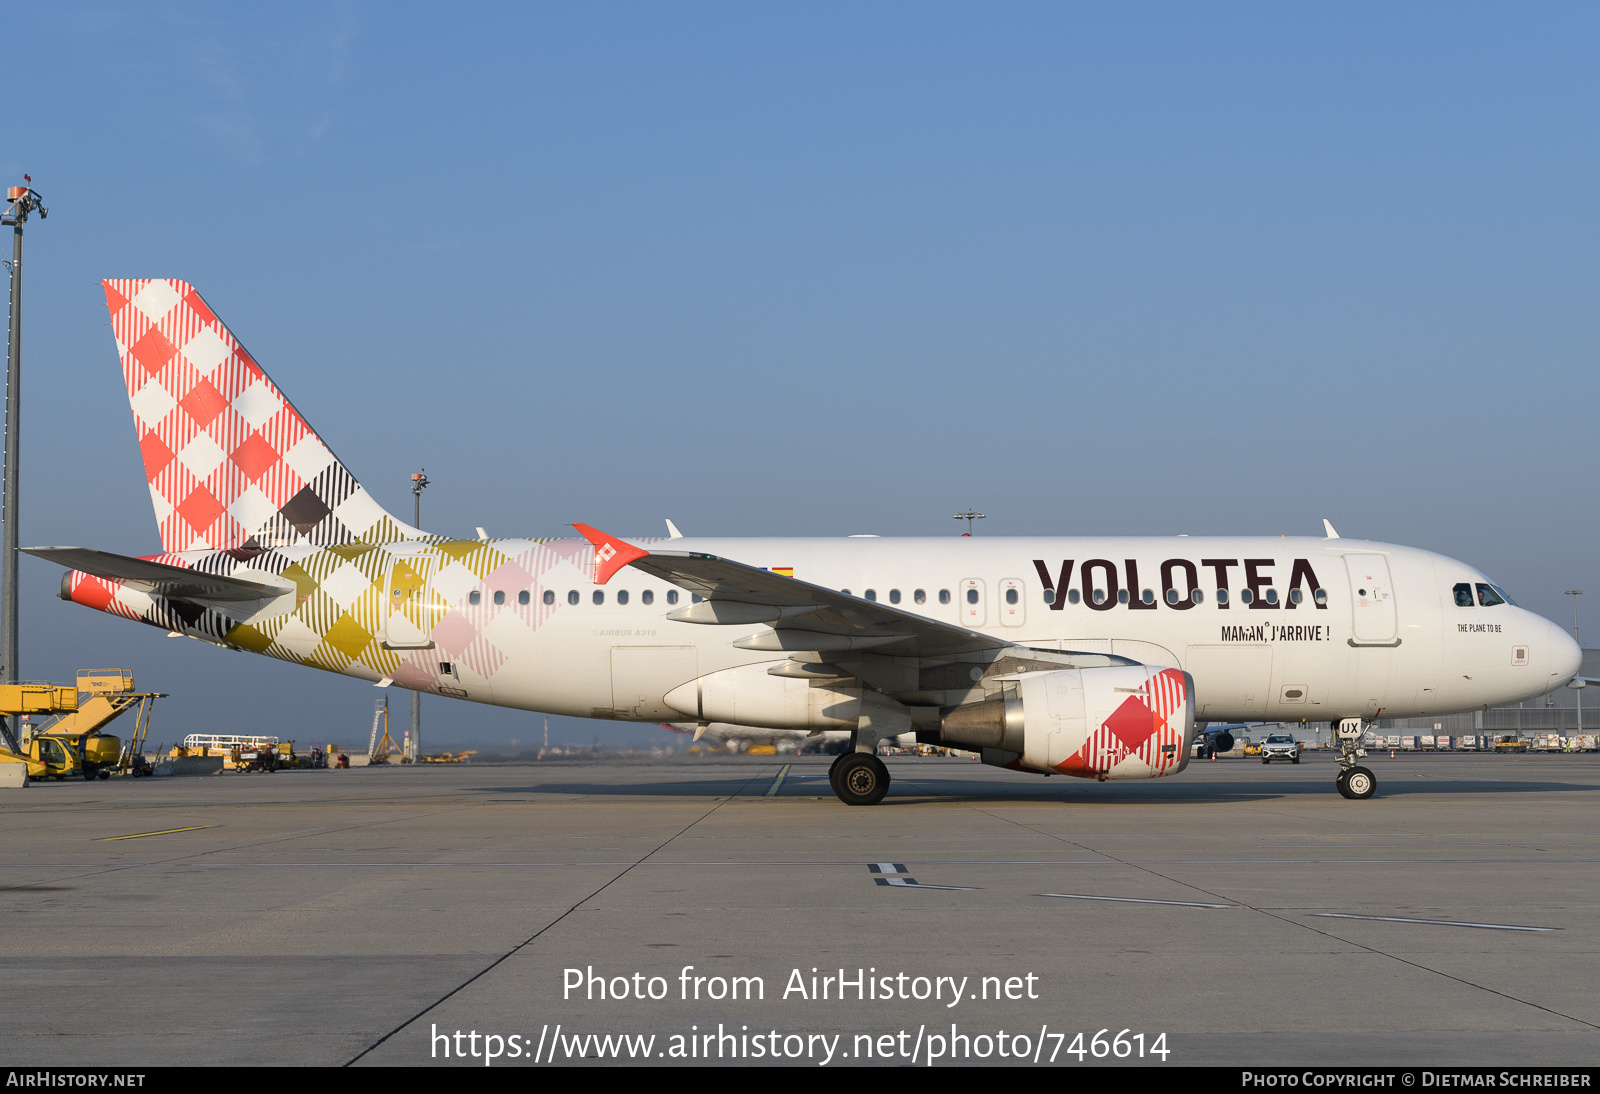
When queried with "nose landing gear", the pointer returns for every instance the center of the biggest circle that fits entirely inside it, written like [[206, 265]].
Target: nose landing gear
[[1356, 783]]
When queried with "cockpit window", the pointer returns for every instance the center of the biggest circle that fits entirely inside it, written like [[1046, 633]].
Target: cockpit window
[[1504, 595], [1464, 595], [1488, 597]]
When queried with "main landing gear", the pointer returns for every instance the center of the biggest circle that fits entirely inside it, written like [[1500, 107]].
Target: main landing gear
[[859, 778], [1356, 783]]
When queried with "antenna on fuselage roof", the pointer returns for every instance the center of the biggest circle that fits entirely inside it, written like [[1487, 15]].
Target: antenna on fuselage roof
[[969, 516], [1328, 526]]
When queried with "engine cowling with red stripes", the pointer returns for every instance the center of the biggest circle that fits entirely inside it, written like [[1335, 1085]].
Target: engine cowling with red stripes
[[1118, 722]]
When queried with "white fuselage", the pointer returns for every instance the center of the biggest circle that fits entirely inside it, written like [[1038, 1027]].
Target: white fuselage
[[1314, 629]]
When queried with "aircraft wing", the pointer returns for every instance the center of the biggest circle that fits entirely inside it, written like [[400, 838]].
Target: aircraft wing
[[801, 612], [158, 577]]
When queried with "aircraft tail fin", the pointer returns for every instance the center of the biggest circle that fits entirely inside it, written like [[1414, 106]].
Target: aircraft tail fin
[[230, 462]]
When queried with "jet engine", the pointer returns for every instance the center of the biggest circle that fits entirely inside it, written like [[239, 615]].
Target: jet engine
[[1120, 722]]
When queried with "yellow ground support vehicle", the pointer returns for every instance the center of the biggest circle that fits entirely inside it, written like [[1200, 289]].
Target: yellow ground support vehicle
[[72, 743], [57, 756]]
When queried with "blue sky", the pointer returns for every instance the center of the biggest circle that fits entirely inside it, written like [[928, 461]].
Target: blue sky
[[821, 269]]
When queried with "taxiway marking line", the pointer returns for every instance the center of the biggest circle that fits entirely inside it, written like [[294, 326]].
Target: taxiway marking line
[[900, 878], [1138, 900], [828, 862], [1432, 922], [772, 791], [163, 832]]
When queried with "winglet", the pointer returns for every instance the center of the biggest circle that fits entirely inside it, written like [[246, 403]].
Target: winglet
[[1328, 525], [610, 553]]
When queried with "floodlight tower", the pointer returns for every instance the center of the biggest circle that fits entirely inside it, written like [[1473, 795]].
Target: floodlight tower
[[419, 481], [969, 516], [21, 201], [1578, 683]]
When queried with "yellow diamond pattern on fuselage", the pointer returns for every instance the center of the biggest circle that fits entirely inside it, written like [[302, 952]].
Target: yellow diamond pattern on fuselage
[[348, 635]]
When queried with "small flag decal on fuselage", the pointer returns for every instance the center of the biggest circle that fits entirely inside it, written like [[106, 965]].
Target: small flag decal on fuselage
[[783, 571]]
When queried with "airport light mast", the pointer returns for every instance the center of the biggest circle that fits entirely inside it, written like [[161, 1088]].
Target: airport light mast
[[969, 516], [419, 481], [22, 201], [1578, 684]]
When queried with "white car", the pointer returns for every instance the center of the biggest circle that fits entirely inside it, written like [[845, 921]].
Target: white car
[[1280, 746]]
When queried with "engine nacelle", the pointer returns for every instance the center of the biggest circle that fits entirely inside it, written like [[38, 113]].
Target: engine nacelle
[[750, 696], [1120, 722]]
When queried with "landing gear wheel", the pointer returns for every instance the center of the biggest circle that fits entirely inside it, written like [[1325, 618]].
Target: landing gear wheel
[[1359, 783], [861, 779], [833, 773]]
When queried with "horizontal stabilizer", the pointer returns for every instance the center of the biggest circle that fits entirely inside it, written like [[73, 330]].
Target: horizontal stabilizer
[[158, 578]]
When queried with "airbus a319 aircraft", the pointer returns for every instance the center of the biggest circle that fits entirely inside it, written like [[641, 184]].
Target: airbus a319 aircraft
[[1092, 657]]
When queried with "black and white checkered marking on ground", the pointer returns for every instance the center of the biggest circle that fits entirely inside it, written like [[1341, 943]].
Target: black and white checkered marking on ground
[[1137, 900], [1432, 922], [896, 874]]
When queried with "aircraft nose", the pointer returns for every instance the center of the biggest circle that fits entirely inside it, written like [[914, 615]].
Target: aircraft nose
[[1566, 656]]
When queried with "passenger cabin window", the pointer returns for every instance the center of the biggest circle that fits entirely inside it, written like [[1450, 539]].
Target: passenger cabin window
[[1197, 596], [599, 596], [1172, 596], [894, 596], [1049, 596], [1321, 597], [1246, 596], [622, 596], [972, 596], [549, 596], [1072, 596], [1463, 593], [1296, 596], [920, 596], [872, 595], [474, 597], [647, 597], [944, 596], [1222, 596], [499, 597], [1011, 596], [572, 597], [1122, 596], [1148, 597], [1488, 597], [523, 597], [672, 596], [1272, 596]]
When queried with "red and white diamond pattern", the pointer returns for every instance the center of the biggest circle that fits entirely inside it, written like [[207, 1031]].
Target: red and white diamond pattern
[[1140, 728], [223, 450]]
